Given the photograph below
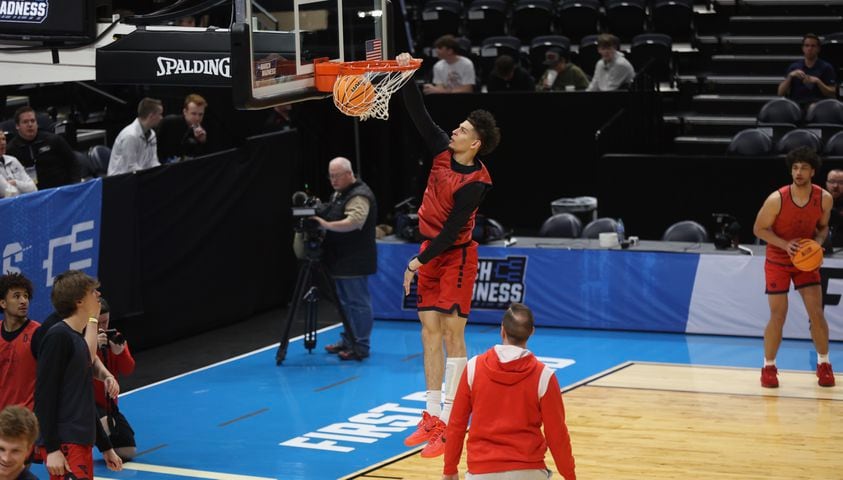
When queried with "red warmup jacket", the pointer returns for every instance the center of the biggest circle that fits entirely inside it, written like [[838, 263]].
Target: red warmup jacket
[[508, 403], [123, 364]]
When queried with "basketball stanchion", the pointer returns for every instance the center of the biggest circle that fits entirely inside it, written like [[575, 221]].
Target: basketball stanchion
[[809, 257], [362, 89]]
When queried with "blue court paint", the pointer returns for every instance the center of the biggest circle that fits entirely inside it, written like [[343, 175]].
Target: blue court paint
[[246, 416]]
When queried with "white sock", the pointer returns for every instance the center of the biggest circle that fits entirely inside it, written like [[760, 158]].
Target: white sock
[[822, 358], [768, 363], [434, 402], [454, 367]]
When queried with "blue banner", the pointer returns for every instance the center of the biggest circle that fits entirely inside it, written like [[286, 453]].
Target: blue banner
[[46, 233], [606, 289]]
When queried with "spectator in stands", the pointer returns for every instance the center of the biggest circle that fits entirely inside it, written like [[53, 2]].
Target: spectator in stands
[[790, 214], [810, 79], [834, 185], [136, 146], [13, 177], [53, 160], [17, 354], [18, 432], [64, 390], [561, 73], [182, 136], [498, 391], [508, 76], [453, 73], [114, 353], [612, 71]]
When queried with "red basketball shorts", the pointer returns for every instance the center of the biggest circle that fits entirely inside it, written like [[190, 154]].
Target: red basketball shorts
[[446, 283], [778, 277], [79, 457]]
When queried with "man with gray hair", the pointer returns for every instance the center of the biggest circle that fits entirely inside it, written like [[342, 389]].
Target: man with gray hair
[[497, 391], [136, 146], [351, 254]]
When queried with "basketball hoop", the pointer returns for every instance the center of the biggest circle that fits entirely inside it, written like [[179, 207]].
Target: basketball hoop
[[351, 84]]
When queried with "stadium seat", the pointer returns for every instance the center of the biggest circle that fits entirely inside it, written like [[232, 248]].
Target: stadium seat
[[578, 18], [99, 155], [828, 111], [780, 111], [673, 17], [561, 225], [652, 53], [440, 17], [799, 137], [538, 47], [750, 142], [598, 226], [486, 18], [685, 231], [625, 18], [493, 47], [831, 49], [834, 145], [588, 54], [531, 18]]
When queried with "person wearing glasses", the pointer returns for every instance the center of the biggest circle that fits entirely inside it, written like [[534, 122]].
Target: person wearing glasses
[[350, 254], [810, 79], [136, 146]]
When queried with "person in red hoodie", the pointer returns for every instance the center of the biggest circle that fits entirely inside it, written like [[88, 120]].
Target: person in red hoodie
[[509, 395], [114, 353]]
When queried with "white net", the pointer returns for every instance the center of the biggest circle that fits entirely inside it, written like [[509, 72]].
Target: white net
[[385, 84]]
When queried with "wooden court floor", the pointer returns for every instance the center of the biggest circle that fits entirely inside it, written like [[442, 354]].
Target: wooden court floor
[[664, 421]]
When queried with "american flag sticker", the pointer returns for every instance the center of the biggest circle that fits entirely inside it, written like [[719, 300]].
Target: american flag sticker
[[374, 49]]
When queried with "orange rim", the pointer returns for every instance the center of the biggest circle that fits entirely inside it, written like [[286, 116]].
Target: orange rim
[[361, 67]]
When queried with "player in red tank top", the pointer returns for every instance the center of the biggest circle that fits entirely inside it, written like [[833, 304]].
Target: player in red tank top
[[447, 261], [17, 360], [794, 212]]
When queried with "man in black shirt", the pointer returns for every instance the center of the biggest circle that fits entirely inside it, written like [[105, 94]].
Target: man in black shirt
[[64, 390], [183, 136], [54, 161]]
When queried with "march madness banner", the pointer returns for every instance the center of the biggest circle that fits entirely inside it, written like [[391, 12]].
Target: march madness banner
[[46, 233]]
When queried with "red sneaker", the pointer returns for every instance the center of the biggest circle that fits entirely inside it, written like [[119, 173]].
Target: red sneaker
[[423, 430], [769, 376], [824, 375], [436, 444]]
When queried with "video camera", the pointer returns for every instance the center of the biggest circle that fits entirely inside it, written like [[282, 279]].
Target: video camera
[[730, 230], [114, 336], [304, 208]]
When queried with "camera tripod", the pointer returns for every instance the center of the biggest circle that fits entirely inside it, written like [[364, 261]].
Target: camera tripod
[[311, 272]]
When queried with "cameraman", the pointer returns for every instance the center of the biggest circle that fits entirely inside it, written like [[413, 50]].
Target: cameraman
[[113, 351], [350, 254]]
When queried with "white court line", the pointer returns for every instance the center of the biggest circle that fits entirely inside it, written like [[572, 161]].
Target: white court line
[[238, 357], [186, 472]]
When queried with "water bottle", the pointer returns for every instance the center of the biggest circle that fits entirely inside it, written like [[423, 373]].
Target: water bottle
[[620, 231]]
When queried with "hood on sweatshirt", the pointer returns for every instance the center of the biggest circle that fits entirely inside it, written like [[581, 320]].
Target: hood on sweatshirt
[[509, 364]]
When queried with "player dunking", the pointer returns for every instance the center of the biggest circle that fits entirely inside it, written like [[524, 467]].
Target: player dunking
[[447, 260]]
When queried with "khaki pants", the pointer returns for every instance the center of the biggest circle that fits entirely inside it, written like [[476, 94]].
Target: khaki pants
[[511, 475]]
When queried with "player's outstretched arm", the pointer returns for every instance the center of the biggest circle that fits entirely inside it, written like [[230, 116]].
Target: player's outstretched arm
[[434, 137]]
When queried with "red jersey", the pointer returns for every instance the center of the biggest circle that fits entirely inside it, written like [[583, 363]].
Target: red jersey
[[123, 364], [17, 368], [438, 200], [794, 221]]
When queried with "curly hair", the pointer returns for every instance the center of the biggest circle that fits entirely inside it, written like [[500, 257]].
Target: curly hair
[[485, 126], [14, 280], [803, 155]]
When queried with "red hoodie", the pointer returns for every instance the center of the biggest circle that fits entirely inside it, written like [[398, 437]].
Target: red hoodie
[[508, 402]]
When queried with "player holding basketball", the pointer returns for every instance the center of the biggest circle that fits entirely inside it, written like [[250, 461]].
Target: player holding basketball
[[792, 213], [447, 260]]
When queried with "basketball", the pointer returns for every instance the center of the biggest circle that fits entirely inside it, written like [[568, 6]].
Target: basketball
[[809, 257], [353, 94]]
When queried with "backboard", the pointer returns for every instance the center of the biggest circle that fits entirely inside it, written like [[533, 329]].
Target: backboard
[[274, 44]]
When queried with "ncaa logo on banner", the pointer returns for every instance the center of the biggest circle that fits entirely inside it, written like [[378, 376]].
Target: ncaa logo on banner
[[29, 11], [500, 282], [73, 251]]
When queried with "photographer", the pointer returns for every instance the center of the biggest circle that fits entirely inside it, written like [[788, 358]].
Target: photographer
[[113, 351], [350, 254]]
